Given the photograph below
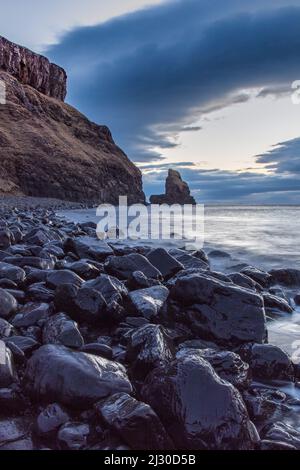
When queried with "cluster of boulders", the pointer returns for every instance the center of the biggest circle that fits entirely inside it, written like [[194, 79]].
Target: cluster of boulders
[[109, 346]]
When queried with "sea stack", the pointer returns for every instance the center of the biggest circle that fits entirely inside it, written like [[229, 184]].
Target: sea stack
[[177, 191], [48, 148]]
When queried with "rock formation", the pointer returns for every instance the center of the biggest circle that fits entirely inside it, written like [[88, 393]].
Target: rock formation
[[177, 191], [33, 69], [48, 148]]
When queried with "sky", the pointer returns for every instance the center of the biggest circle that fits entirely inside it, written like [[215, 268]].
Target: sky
[[204, 86]]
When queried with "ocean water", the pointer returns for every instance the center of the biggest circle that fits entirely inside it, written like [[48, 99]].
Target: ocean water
[[265, 236]]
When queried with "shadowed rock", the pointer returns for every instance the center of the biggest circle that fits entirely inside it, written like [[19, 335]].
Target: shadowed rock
[[197, 408], [177, 191], [55, 373]]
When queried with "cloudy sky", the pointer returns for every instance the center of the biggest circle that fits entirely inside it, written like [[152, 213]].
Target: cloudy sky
[[202, 85]]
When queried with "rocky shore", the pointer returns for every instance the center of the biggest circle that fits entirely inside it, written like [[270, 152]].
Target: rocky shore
[[110, 347]]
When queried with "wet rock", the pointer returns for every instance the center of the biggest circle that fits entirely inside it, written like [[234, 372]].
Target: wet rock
[[5, 239], [228, 365], [50, 420], [188, 272], [123, 267], [198, 344], [138, 280], [244, 281], [200, 254], [26, 344], [60, 329], [83, 269], [88, 247], [40, 293], [32, 261], [263, 404], [7, 284], [109, 287], [285, 277], [7, 369], [275, 445], [11, 401], [32, 314], [57, 278], [136, 322], [8, 304], [83, 305], [14, 435], [6, 329], [261, 277], [98, 349], [188, 260], [13, 273], [297, 299], [34, 276], [215, 310], [19, 295], [55, 373], [284, 433], [135, 422], [164, 262], [149, 347], [275, 304], [73, 435], [149, 302], [268, 362], [199, 410], [37, 237], [18, 354]]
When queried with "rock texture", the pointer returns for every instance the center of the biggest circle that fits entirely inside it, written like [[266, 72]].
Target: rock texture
[[33, 69], [48, 148], [177, 191]]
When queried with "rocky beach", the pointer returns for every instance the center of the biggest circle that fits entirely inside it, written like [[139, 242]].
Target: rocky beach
[[106, 346]]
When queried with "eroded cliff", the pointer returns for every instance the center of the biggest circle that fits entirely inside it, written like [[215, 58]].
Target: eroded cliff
[[48, 148]]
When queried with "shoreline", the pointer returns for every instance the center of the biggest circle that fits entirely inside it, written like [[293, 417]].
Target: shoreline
[[100, 339]]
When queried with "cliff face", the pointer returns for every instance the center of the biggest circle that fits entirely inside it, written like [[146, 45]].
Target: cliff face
[[177, 191], [48, 148], [33, 69]]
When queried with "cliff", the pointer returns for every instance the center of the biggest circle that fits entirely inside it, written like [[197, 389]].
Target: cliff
[[48, 148], [177, 191], [33, 69]]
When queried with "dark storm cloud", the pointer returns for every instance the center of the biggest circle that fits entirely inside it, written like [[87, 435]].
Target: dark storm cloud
[[162, 65], [284, 158], [150, 74]]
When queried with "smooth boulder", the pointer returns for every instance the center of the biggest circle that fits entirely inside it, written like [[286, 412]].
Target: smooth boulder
[[285, 277], [149, 302], [164, 262], [149, 347], [123, 266], [57, 374], [228, 365], [216, 310], [8, 304], [199, 410], [268, 362], [135, 422], [60, 329], [7, 368], [12, 273]]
